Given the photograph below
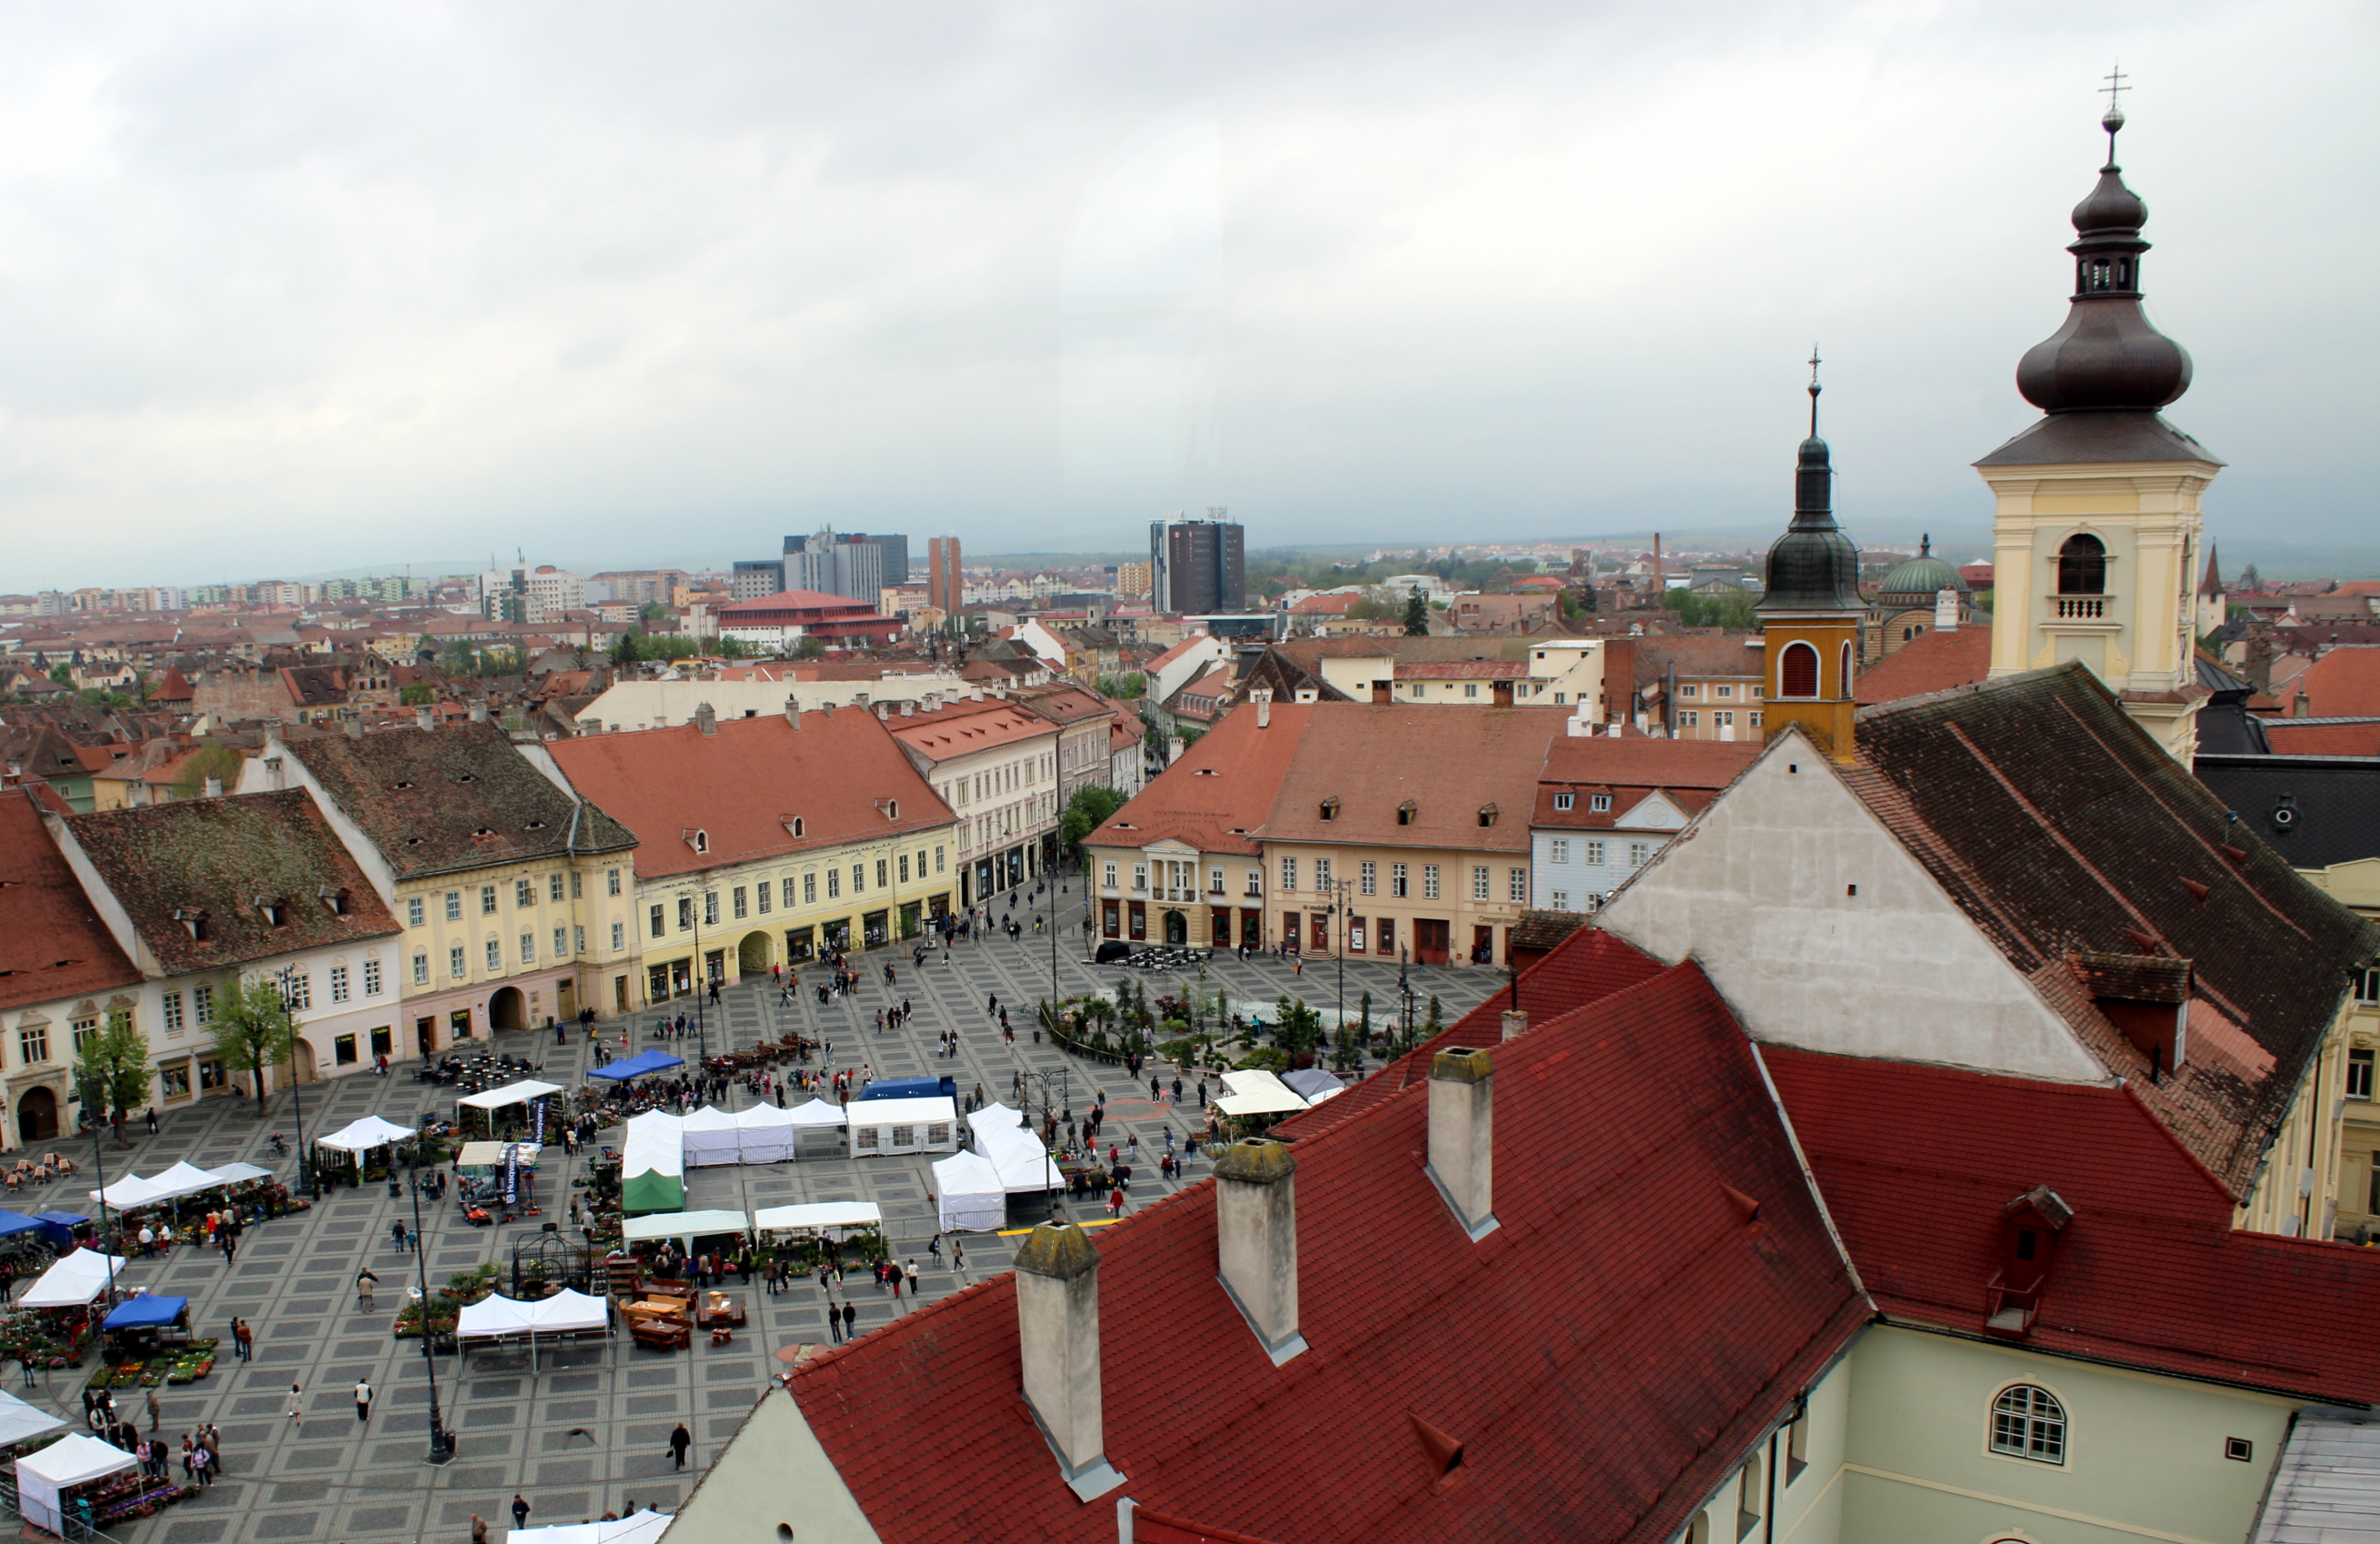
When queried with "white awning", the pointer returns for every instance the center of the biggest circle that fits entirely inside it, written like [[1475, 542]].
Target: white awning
[[490, 1154], [969, 1194], [820, 1214], [643, 1528], [992, 1118], [684, 1226], [1023, 1163], [71, 1460], [1256, 1093], [126, 1193], [902, 1112], [365, 1134], [521, 1092], [818, 1111], [240, 1174], [508, 1316], [21, 1422], [72, 1282], [654, 1146]]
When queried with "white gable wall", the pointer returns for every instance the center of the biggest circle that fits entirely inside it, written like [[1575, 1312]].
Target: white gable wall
[[1759, 891]]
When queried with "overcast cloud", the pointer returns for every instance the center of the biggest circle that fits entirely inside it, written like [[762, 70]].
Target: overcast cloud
[[286, 289]]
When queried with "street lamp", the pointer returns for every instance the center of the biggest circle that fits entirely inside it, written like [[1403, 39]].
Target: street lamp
[[286, 980], [441, 1441], [99, 1174], [1339, 919]]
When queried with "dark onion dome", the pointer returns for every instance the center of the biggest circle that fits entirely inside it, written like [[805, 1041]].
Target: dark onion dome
[[1924, 577], [1814, 566], [2108, 356]]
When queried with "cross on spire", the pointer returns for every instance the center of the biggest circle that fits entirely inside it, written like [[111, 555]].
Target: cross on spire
[[1815, 389], [2113, 118]]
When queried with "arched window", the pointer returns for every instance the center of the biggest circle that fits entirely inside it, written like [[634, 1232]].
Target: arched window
[[2028, 1422], [1843, 680], [1797, 671], [2082, 566]]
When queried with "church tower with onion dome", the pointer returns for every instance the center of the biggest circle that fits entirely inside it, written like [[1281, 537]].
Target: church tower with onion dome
[[1810, 608], [2097, 534]]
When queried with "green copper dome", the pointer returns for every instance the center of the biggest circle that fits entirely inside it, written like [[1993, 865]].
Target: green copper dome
[[1922, 574]]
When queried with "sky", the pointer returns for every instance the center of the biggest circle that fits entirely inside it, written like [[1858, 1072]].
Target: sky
[[301, 288]]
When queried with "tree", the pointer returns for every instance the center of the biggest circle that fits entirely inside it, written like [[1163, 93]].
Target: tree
[[1416, 614], [734, 647], [253, 1030], [1086, 812], [624, 650], [111, 1069], [219, 761], [1300, 1029], [417, 695], [809, 648]]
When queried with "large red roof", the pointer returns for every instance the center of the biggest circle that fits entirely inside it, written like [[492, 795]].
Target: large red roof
[[1916, 1164], [53, 945], [1932, 662], [1606, 1355]]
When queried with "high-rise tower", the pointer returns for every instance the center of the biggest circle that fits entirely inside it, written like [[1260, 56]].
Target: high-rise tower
[[1811, 612], [2096, 531]]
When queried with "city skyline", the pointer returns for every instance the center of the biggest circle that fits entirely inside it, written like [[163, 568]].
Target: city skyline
[[1034, 279]]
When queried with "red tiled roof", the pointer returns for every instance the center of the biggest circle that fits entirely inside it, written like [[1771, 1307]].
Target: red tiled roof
[[1461, 670], [1690, 772], [1916, 1164], [740, 786], [2343, 683], [794, 600], [53, 945], [1585, 967], [959, 729], [1606, 1355], [1932, 662], [1364, 756], [1217, 794]]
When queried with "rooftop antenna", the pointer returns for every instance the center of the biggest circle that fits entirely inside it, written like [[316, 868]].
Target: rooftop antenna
[[2113, 118], [1815, 389]]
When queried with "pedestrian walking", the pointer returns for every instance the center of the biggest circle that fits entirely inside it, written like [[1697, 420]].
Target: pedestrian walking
[[295, 1408], [203, 1465], [1115, 1202], [363, 1401], [479, 1529], [680, 1440], [833, 1325], [152, 1120], [154, 1411], [850, 1320], [365, 1282], [911, 1270], [958, 1254], [521, 1511]]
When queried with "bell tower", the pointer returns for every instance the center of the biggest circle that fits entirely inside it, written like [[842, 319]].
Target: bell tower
[[1811, 611], [2096, 529]]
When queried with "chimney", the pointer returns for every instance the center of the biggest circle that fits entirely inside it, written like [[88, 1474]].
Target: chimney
[[480, 711], [859, 699], [212, 789], [883, 712], [1516, 1023], [355, 728], [706, 718], [909, 707], [1946, 611], [1461, 1135], [794, 711], [1058, 1336], [1262, 698], [1256, 1227], [423, 719]]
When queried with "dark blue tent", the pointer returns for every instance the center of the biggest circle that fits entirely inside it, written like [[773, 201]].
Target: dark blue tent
[[59, 1226], [13, 1223], [146, 1311], [636, 1066]]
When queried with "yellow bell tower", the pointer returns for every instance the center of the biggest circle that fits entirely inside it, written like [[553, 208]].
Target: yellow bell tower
[[1811, 611], [2095, 529]]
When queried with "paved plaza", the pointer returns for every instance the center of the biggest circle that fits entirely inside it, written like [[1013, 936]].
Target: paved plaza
[[587, 1432]]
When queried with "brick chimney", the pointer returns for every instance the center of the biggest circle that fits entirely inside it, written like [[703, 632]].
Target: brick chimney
[[1058, 1336], [1256, 1229], [1516, 1023], [794, 711], [1262, 698], [1461, 1137], [706, 718]]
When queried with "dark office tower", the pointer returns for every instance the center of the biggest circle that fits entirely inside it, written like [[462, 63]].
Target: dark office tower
[[945, 591], [1199, 567]]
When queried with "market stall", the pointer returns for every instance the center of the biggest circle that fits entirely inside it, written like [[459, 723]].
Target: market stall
[[882, 1126], [13, 1223], [486, 1159], [652, 1165], [1025, 1165], [564, 1316], [1314, 1085], [815, 1215], [60, 1227], [358, 1137], [146, 1311], [970, 1195], [637, 1065], [765, 1134], [641, 1527], [708, 1137], [21, 1423], [1256, 1093], [685, 1226], [73, 1282], [93, 1482], [522, 1092]]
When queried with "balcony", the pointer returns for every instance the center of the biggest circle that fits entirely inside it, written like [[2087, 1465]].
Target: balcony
[[2083, 608]]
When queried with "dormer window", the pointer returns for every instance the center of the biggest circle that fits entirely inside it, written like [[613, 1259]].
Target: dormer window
[[1598, 804], [1406, 811], [1330, 809], [195, 922], [702, 841], [1487, 814], [1563, 801], [273, 912], [794, 826], [337, 900]]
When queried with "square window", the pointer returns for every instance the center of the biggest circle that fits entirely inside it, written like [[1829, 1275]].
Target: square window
[[301, 991], [495, 956], [454, 905], [1557, 850], [372, 977], [420, 969], [737, 899], [413, 912], [1639, 854], [1563, 801], [338, 983], [1429, 882], [1598, 804], [1561, 899], [33, 1045], [488, 900], [84, 1030], [1478, 881], [1470, 688]]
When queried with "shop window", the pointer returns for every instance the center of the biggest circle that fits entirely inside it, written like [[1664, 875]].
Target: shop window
[[174, 1081], [343, 1051], [384, 1041]]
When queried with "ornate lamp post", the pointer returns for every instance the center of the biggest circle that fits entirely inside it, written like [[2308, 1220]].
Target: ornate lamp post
[[441, 1441], [286, 980]]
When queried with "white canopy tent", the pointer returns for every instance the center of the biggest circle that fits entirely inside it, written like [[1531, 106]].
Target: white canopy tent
[[685, 1226], [1256, 1093], [128, 1192], [240, 1174], [566, 1312], [72, 1282], [893, 1125], [764, 1134], [21, 1422], [708, 1137], [653, 1147], [70, 1461], [820, 1214], [818, 1111], [969, 1194], [1023, 1163], [182, 1179], [365, 1134], [641, 1527], [993, 1116], [521, 1092]]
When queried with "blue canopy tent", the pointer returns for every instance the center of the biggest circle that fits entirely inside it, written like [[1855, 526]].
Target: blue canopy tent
[[16, 1223], [146, 1311], [60, 1226], [636, 1066]]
